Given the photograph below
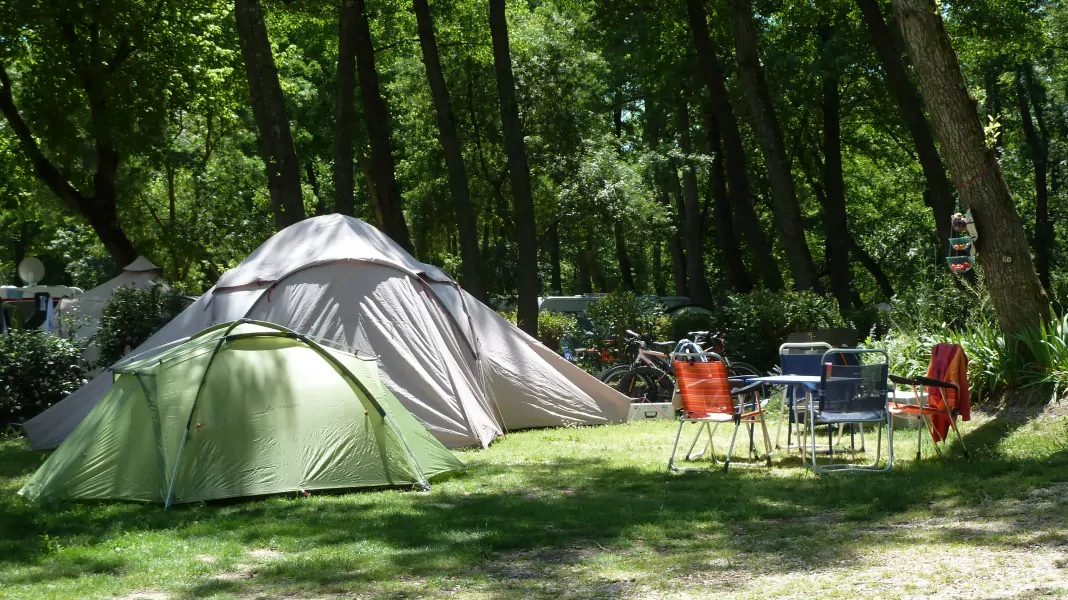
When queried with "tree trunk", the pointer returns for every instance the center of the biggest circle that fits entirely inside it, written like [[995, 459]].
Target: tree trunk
[[992, 81], [787, 213], [658, 268], [556, 286], [730, 252], [313, 180], [600, 283], [454, 157], [526, 236], [940, 196], [622, 255], [585, 285], [835, 219], [376, 117], [678, 250], [1019, 302], [736, 163], [269, 110], [863, 257], [345, 111], [690, 215], [1038, 151], [99, 209]]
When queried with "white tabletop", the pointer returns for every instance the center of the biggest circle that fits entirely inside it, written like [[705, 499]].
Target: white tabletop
[[787, 379]]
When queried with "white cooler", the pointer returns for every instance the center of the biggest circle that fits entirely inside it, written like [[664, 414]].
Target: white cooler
[[649, 411]]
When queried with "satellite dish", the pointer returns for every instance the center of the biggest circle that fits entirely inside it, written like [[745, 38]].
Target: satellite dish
[[31, 270]]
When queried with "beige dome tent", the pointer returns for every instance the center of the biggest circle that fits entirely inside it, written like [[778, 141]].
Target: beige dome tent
[[81, 315], [466, 373]]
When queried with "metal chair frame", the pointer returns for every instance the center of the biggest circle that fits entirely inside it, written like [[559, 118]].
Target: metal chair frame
[[789, 396], [743, 413], [923, 412], [816, 416]]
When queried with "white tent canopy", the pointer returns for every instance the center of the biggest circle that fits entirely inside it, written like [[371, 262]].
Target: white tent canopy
[[82, 314], [461, 369]]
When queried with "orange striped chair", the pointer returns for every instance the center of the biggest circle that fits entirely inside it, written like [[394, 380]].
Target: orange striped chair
[[709, 397]]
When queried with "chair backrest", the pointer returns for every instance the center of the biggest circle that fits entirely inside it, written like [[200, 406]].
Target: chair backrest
[[856, 385], [802, 358], [704, 387], [839, 337], [941, 358]]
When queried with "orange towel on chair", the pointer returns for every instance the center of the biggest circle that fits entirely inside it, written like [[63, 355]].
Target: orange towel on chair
[[949, 363]]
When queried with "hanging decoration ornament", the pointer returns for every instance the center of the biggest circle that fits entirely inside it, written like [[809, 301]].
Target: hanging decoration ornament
[[961, 253]]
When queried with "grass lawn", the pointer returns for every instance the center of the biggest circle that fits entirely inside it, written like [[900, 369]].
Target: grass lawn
[[580, 513]]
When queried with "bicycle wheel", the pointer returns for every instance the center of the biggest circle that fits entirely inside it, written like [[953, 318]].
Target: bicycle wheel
[[647, 384], [741, 369], [613, 374]]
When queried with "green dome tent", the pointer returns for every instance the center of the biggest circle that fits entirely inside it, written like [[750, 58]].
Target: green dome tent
[[241, 409]]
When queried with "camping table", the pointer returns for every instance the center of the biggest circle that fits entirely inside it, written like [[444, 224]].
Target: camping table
[[810, 383]]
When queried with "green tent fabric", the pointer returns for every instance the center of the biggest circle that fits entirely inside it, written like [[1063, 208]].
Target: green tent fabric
[[241, 409]]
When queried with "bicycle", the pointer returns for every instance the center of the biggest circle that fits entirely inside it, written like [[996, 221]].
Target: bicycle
[[637, 347], [651, 378]]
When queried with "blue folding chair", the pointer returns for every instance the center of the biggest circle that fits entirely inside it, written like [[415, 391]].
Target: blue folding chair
[[797, 358], [853, 389]]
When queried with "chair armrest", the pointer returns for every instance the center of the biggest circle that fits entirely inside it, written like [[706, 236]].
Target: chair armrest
[[899, 380], [936, 383], [746, 389]]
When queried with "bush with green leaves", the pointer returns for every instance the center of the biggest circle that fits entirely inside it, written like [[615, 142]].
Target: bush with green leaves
[[552, 326], [36, 371], [131, 317], [754, 325], [613, 314]]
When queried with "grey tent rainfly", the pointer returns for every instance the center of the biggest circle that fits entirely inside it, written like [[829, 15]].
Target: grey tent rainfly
[[461, 369]]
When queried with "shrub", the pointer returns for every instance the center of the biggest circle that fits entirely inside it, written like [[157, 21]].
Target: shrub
[[612, 315], [553, 327], [755, 325], [131, 317], [939, 304], [36, 371], [691, 318]]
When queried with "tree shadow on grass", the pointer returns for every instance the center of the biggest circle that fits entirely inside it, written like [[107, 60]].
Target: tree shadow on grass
[[557, 516]]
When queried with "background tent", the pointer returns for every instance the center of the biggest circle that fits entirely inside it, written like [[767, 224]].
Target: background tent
[[243, 409], [458, 367], [82, 314]]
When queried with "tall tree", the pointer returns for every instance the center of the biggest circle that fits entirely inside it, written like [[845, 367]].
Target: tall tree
[[1019, 302], [526, 228], [626, 273], [762, 114], [345, 111], [454, 157], [269, 109], [834, 207], [723, 222], [389, 207], [690, 214], [99, 208], [939, 195], [734, 150], [1037, 149]]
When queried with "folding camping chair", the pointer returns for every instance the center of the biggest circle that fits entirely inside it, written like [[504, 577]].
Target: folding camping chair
[[853, 389], [935, 401], [797, 358], [708, 398]]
